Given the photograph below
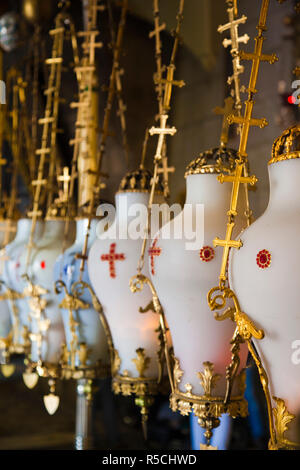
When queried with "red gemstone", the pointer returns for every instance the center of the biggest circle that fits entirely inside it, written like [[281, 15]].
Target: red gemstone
[[263, 259], [43, 264], [207, 253]]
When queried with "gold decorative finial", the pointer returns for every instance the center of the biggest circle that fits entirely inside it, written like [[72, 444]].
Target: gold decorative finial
[[286, 146]]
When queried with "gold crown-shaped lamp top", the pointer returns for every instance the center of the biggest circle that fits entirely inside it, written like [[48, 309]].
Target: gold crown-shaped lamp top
[[216, 160], [287, 146], [139, 181]]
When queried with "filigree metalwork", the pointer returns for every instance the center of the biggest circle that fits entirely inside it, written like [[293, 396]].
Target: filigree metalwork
[[207, 408], [141, 362], [73, 363], [37, 306], [207, 378], [286, 146], [11, 344]]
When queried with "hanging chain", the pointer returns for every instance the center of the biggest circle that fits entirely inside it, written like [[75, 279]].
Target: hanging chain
[[160, 159], [246, 122], [84, 143], [119, 91], [217, 297], [47, 151], [233, 24], [105, 132]]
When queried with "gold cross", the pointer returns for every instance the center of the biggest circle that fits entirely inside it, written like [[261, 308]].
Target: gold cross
[[65, 178], [165, 170], [157, 27], [162, 131], [247, 120], [227, 244], [169, 83], [233, 25], [236, 179], [226, 111], [234, 41], [257, 56]]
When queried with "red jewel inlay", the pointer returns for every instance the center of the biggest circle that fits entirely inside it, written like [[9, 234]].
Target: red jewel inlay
[[154, 251], [207, 253], [263, 259], [43, 264], [17, 265], [111, 257]]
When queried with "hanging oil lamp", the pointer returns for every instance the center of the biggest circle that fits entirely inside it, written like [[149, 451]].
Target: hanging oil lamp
[[47, 331], [246, 330], [263, 274], [181, 277], [183, 266], [137, 359]]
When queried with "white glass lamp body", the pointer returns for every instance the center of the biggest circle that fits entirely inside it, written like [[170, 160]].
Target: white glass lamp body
[[14, 267], [182, 280], [269, 294], [40, 271], [67, 268], [130, 329]]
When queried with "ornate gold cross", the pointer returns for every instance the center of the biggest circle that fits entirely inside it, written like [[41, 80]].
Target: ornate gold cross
[[157, 27], [228, 243], [65, 178], [165, 170], [169, 83], [226, 111], [233, 25], [236, 179], [234, 42], [162, 131]]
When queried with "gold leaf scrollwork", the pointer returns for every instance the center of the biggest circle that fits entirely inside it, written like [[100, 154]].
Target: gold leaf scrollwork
[[149, 307], [184, 408], [217, 297], [177, 372], [208, 379], [116, 363], [72, 303], [141, 361], [246, 327], [282, 418]]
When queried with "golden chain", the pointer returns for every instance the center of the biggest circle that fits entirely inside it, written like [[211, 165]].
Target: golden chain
[[49, 123], [105, 130], [246, 122], [238, 69], [119, 91], [164, 98]]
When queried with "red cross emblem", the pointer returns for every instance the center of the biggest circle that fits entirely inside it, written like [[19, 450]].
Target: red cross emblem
[[111, 257], [154, 251]]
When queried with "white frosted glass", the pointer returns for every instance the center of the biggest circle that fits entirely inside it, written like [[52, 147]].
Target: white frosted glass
[[182, 281], [130, 329], [270, 295]]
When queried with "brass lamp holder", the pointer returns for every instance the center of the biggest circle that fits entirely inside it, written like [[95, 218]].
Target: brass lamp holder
[[78, 352]]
